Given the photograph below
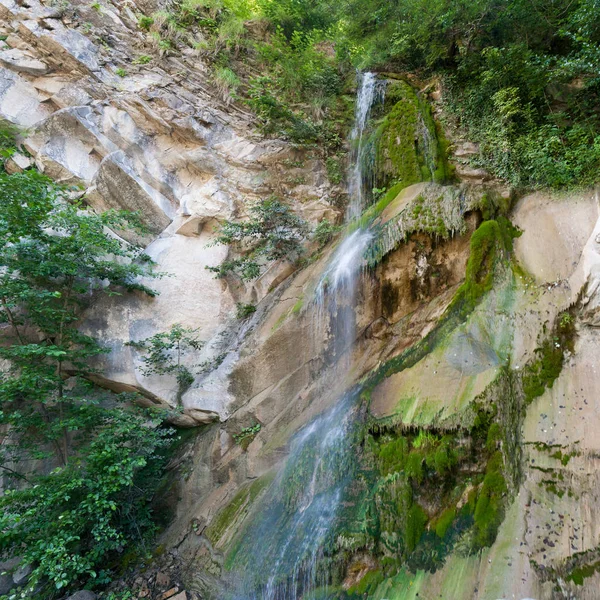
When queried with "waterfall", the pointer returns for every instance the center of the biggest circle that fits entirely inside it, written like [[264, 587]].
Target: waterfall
[[280, 553], [370, 92]]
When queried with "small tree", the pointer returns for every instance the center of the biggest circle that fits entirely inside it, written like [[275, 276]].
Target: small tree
[[163, 353], [272, 232]]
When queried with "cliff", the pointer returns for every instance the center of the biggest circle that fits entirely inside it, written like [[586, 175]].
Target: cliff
[[469, 368]]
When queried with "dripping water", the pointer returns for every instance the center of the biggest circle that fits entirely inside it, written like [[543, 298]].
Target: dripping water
[[280, 552]]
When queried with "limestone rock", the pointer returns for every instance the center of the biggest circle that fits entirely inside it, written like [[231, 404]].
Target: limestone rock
[[19, 100], [17, 60], [118, 186]]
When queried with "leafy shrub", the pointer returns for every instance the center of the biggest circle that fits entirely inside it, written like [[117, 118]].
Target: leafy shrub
[[163, 353], [145, 22], [324, 232], [273, 232], [243, 311]]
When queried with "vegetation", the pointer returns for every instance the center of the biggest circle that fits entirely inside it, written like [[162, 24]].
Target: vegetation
[[541, 372], [324, 232], [243, 311], [522, 80], [246, 435], [271, 233], [163, 353], [79, 466]]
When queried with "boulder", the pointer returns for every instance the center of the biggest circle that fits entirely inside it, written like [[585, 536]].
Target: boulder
[[22, 62]]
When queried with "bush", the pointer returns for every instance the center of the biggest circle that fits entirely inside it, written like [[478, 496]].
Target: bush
[[273, 232], [243, 311], [324, 232]]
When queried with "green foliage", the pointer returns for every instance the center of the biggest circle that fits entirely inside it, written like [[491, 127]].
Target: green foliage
[[72, 524], [246, 435], [8, 135], [142, 59], [335, 171], [523, 82], [163, 353], [243, 311], [227, 81], [324, 232], [301, 78], [273, 232], [121, 72], [145, 22]]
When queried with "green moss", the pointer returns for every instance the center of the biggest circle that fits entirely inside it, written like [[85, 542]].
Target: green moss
[[580, 573], [487, 243], [443, 522], [392, 455], [444, 458], [409, 145], [236, 509], [368, 584], [414, 467], [489, 509], [416, 520], [541, 373], [564, 458], [494, 436], [488, 249], [298, 306]]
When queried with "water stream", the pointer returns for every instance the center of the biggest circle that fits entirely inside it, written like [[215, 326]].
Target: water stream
[[371, 91], [282, 552]]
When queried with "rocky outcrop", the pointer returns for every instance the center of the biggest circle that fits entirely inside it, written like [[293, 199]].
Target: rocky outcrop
[[153, 142]]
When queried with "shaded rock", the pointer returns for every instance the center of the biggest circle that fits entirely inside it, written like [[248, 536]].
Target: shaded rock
[[118, 186], [6, 575], [82, 595]]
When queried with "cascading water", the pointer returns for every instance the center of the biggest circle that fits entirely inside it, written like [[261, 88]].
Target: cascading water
[[279, 555], [370, 92]]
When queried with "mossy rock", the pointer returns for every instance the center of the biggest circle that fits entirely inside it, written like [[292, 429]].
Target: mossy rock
[[409, 146], [223, 527]]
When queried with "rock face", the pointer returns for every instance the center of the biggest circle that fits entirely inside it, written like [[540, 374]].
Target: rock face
[[457, 318], [155, 143]]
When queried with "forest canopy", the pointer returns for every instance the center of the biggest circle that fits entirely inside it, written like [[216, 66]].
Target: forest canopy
[[521, 77]]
